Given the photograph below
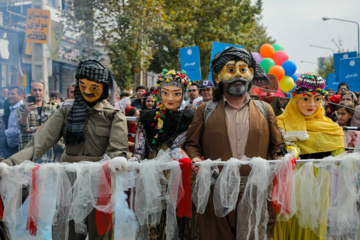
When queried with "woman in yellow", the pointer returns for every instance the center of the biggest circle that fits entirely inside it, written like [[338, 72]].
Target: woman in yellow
[[310, 135]]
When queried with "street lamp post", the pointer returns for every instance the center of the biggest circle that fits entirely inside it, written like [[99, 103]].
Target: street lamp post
[[308, 62], [344, 20], [323, 48]]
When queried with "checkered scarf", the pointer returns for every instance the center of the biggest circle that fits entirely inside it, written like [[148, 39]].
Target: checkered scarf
[[94, 71]]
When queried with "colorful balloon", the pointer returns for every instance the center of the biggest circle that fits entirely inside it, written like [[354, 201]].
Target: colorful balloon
[[266, 64], [286, 84], [267, 51], [294, 76], [277, 47], [257, 56], [278, 71], [280, 57], [289, 67]]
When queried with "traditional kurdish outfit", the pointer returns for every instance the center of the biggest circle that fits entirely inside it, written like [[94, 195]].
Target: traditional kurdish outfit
[[161, 129], [314, 136]]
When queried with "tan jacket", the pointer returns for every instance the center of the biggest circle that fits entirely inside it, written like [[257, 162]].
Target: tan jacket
[[105, 132], [212, 141]]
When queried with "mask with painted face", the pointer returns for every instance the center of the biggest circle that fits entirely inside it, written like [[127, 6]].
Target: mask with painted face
[[309, 103], [171, 97], [235, 71], [234, 64], [90, 90]]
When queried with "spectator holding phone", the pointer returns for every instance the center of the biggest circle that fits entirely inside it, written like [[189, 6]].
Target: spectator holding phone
[[32, 115]]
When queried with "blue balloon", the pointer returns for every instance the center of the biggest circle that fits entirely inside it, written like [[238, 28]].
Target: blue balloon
[[289, 67], [294, 76]]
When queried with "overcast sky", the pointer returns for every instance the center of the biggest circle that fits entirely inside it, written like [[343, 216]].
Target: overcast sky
[[296, 24]]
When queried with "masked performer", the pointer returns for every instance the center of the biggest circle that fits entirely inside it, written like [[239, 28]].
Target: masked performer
[[309, 134], [90, 127], [236, 126], [165, 128]]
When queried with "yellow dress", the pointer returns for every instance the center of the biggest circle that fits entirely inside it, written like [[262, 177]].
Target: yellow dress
[[290, 229], [312, 134]]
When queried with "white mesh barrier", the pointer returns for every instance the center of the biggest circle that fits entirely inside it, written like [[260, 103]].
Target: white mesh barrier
[[321, 192], [252, 210]]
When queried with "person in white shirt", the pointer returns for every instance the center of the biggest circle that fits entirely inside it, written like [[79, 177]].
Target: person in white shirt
[[12, 132]]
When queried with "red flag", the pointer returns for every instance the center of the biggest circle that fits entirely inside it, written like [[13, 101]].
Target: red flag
[[33, 211], [104, 220], [185, 205]]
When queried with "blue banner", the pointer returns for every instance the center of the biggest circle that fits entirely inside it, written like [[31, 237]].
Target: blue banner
[[338, 57], [190, 62], [349, 72], [219, 47], [9, 47], [331, 83]]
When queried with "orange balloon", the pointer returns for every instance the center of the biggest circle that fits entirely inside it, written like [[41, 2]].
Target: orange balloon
[[267, 51], [278, 71]]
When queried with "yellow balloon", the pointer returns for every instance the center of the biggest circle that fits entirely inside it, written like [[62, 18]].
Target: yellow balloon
[[286, 84]]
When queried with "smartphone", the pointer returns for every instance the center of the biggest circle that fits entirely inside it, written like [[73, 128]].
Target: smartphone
[[31, 99]]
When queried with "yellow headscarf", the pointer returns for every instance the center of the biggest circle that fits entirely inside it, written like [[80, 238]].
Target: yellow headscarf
[[312, 134]]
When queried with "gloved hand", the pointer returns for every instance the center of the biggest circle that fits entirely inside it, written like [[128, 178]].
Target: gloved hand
[[294, 150], [118, 165], [4, 169]]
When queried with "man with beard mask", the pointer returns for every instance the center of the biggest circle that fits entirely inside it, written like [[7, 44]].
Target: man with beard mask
[[91, 128], [232, 126]]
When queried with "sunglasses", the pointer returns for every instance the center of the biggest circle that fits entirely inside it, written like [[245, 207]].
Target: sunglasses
[[343, 89], [192, 90]]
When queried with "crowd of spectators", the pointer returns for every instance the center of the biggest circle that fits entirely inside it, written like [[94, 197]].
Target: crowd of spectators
[[24, 114]]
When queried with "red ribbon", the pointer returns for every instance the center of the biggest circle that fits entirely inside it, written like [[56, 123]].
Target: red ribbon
[[282, 207], [33, 210], [104, 220], [1, 209], [184, 208]]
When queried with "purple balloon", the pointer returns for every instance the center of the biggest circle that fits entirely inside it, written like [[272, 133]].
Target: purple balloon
[[257, 57], [297, 74]]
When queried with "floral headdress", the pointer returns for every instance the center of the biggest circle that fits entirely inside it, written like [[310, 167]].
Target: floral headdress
[[167, 78], [310, 82]]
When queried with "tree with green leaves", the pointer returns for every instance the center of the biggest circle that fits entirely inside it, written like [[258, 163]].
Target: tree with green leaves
[[145, 35], [328, 68]]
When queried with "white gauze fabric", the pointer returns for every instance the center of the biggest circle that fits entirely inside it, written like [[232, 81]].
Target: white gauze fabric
[[174, 193], [125, 225], [284, 174], [227, 188], [85, 192], [149, 192], [48, 181], [15, 213], [345, 212], [311, 197], [253, 204], [202, 184], [64, 199]]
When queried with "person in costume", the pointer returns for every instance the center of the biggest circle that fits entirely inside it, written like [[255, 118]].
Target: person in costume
[[165, 128], [237, 127], [309, 135], [91, 128]]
